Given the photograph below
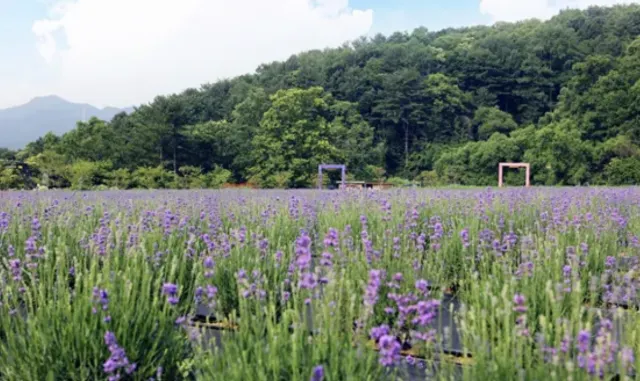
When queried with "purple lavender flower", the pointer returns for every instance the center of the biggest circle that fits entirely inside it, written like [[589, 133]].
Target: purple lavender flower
[[371, 292], [378, 332], [410, 360], [211, 291], [198, 293], [519, 301], [208, 263], [610, 262], [118, 359], [171, 291], [464, 237], [627, 357], [389, 350], [16, 270], [422, 286], [308, 281], [101, 297], [318, 373], [583, 340]]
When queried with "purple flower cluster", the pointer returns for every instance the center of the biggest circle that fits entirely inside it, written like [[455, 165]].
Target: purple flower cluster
[[520, 307], [303, 252], [251, 286], [211, 293], [464, 237], [16, 269], [118, 360], [317, 374], [170, 290], [101, 297], [371, 292], [390, 349]]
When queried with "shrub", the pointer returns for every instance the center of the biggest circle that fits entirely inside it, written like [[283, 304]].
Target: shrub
[[217, 178], [153, 178], [428, 178]]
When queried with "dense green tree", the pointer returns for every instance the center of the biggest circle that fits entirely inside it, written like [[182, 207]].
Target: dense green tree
[[558, 155], [90, 141], [305, 128]]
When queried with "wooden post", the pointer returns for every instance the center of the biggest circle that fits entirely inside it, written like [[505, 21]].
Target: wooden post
[[500, 175], [528, 181]]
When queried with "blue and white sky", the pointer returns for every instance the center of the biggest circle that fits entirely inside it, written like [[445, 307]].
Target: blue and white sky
[[125, 52]]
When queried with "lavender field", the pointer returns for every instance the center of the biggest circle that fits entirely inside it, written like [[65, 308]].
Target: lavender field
[[514, 284]]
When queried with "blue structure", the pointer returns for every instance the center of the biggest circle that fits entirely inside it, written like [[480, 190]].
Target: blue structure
[[341, 167]]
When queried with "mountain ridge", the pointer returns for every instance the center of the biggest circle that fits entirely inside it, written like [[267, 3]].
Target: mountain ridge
[[25, 123]]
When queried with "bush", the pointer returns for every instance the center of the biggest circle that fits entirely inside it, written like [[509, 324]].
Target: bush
[[86, 174], [374, 173], [428, 178], [191, 177], [10, 178], [217, 178], [120, 179], [623, 171], [153, 178], [398, 181]]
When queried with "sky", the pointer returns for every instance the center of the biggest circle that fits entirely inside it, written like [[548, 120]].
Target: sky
[[125, 52]]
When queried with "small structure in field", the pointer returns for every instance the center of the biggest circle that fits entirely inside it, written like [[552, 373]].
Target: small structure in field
[[341, 167], [366, 185], [501, 166]]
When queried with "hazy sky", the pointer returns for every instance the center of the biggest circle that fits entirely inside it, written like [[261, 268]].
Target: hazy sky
[[124, 52]]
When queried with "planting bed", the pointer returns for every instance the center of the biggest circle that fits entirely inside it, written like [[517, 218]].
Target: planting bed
[[309, 285]]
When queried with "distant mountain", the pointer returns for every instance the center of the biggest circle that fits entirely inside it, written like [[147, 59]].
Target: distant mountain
[[23, 124]]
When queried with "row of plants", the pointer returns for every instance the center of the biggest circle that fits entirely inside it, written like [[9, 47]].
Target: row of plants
[[320, 285]]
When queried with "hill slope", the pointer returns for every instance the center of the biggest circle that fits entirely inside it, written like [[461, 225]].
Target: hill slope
[[25, 123]]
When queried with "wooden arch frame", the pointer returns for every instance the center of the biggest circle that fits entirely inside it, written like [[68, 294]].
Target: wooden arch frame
[[527, 166]]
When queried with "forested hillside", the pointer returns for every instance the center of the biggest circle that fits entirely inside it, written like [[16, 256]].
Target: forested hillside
[[440, 107]]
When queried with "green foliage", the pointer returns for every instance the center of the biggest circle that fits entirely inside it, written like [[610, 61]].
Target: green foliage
[[398, 181], [120, 179], [558, 155], [623, 171], [374, 173], [428, 179], [217, 178], [408, 103], [10, 178], [476, 163], [86, 174], [153, 178], [305, 128], [489, 120], [191, 177], [51, 169]]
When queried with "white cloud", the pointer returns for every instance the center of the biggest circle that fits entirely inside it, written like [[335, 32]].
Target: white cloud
[[514, 10], [122, 52]]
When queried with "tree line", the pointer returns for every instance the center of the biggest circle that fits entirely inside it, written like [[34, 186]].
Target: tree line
[[437, 107]]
